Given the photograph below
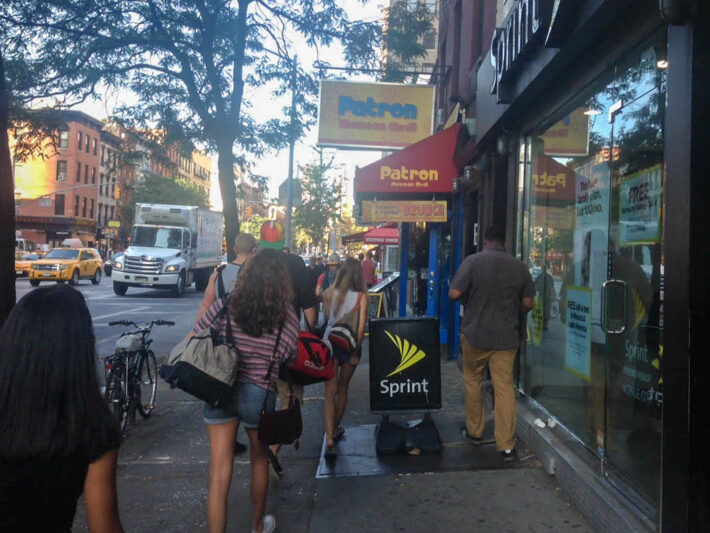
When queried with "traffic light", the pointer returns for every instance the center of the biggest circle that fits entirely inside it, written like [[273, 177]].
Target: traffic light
[[249, 211], [117, 193]]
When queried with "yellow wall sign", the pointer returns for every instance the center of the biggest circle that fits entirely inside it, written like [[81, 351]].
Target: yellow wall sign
[[374, 115], [403, 211]]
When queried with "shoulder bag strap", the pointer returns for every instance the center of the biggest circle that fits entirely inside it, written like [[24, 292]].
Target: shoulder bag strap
[[271, 365]]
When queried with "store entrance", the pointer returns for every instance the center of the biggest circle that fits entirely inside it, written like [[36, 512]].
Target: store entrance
[[591, 232]]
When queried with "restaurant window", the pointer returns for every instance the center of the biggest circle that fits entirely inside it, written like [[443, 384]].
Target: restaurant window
[[590, 229], [63, 138], [61, 171], [59, 204]]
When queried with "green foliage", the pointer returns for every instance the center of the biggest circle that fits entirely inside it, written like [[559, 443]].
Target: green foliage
[[155, 189], [403, 41], [321, 202], [253, 226]]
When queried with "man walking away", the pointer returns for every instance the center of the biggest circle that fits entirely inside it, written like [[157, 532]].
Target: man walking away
[[496, 289], [368, 270]]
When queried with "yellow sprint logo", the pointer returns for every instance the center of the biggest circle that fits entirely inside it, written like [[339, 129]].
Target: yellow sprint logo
[[409, 353]]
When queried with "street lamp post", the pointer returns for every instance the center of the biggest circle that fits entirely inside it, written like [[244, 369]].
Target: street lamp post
[[291, 146]]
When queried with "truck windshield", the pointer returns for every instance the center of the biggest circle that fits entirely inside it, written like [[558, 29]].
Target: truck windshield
[[62, 254], [155, 237]]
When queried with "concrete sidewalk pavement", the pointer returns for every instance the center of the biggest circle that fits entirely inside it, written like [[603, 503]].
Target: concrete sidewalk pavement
[[163, 471]]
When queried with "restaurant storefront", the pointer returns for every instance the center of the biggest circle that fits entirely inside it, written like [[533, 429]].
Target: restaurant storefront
[[574, 156]]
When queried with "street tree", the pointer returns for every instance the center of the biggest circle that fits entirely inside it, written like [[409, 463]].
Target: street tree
[[320, 207]]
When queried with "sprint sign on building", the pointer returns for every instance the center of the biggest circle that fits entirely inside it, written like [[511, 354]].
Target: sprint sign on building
[[374, 115], [405, 370]]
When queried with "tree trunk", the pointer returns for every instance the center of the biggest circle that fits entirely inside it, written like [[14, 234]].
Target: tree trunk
[[7, 206], [228, 190]]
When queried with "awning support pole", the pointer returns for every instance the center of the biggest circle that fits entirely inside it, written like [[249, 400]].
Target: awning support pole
[[403, 268]]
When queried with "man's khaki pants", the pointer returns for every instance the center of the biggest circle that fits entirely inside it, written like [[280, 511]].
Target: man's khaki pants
[[501, 363], [285, 393]]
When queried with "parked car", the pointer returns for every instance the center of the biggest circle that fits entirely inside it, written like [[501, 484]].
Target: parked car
[[22, 265], [67, 264]]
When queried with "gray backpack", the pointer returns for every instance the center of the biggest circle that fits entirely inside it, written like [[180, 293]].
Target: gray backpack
[[205, 365]]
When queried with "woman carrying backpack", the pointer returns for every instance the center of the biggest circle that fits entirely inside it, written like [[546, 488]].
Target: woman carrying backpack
[[265, 331], [346, 312]]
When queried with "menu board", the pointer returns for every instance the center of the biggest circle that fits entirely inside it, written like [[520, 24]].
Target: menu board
[[374, 307]]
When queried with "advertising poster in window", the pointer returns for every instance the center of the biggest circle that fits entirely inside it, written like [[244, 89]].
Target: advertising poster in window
[[578, 331], [591, 238], [640, 208]]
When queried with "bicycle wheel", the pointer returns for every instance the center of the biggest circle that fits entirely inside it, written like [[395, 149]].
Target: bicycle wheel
[[147, 384], [116, 398]]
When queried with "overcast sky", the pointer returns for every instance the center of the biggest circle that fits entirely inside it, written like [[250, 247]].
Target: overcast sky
[[264, 107]]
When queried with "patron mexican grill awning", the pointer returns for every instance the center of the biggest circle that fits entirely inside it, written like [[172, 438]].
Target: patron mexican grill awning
[[424, 167]]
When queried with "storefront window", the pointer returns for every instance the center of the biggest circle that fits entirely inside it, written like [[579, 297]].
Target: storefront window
[[590, 230]]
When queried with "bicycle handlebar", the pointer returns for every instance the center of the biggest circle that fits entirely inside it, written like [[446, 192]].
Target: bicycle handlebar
[[158, 322]]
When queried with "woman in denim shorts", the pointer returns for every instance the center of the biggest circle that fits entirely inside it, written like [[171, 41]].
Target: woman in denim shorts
[[265, 331]]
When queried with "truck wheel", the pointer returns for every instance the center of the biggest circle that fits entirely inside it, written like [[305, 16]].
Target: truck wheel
[[97, 277], [202, 279], [34, 282], [74, 278], [179, 287], [119, 288]]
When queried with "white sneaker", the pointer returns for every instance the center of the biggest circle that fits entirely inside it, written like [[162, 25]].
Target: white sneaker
[[269, 524]]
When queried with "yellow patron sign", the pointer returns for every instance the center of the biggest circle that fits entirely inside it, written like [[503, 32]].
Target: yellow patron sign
[[374, 115], [403, 211]]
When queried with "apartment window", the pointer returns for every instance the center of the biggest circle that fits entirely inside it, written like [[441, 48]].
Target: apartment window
[[431, 6], [80, 139], [76, 206], [98, 213], [64, 139], [112, 208], [93, 175], [88, 142], [91, 208], [106, 213], [83, 207], [59, 204], [78, 172], [429, 40], [113, 188], [86, 173], [61, 171], [95, 145], [101, 185], [103, 154]]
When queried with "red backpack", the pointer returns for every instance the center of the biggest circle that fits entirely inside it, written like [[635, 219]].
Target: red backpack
[[313, 364]]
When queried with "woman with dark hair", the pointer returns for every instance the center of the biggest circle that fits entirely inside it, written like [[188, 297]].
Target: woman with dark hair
[[348, 293], [57, 435], [265, 331]]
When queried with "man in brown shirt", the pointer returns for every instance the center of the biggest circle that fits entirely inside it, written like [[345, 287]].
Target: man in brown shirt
[[496, 288]]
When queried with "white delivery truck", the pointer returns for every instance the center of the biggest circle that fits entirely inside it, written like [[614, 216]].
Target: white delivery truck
[[171, 246]]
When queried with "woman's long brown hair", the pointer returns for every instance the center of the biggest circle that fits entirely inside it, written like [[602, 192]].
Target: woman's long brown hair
[[262, 294], [349, 278]]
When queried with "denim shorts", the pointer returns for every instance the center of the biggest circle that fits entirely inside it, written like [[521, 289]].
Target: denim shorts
[[245, 406]]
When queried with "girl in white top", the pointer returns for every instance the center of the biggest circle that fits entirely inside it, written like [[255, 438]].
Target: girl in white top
[[348, 292]]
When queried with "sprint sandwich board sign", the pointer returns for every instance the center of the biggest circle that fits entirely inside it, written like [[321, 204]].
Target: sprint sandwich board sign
[[405, 372]]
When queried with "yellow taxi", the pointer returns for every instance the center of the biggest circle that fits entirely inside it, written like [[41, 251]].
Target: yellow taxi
[[23, 263], [67, 264]]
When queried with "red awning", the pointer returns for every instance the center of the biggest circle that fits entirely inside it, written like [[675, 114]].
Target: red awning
[[424, 167], [353, 237], [382, 236]]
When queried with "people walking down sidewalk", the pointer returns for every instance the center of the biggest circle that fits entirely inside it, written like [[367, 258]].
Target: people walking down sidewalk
[[222, 283], [304, 300], [327, 278], [346, 308], [368, 270], [57, 435], [496, 289], [264, 329]]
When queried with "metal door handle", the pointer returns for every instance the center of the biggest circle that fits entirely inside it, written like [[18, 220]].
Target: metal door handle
[[604, 322]]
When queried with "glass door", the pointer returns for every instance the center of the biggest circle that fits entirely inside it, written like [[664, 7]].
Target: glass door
[[632, 294]]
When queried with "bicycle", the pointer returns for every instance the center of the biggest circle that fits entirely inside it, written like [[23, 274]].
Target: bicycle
[[132, 372]]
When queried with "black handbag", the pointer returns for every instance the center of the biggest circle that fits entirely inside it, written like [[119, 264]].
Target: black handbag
[[283, 426]]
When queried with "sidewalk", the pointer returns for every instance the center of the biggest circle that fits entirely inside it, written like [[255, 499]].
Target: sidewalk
[[163, 466]]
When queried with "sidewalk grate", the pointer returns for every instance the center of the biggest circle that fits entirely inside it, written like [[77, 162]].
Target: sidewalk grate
[[357, 457]]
